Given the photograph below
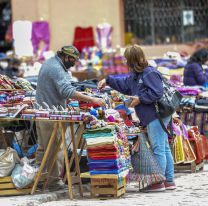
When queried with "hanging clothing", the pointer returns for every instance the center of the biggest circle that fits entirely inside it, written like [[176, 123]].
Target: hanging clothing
[[40, 32], [22, 38], [104, 35], [83, 37]]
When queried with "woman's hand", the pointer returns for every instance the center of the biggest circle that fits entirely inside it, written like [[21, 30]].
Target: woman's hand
[[135, 101], [101, 84], [99, 101]]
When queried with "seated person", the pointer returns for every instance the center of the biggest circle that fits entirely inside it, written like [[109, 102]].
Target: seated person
[[193, 71]]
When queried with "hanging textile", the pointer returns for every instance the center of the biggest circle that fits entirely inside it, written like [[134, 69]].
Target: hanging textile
[[83, 37], [104, 35], [40, 33], [22, 38]]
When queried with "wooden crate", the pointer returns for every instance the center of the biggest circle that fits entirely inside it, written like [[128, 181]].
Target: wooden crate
[[105, 186], [189, 167], [7, 188]]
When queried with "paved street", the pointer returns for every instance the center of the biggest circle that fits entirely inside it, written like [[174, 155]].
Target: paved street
[[192, 189]]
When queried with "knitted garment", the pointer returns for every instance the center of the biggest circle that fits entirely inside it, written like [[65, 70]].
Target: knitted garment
[[54, 84]]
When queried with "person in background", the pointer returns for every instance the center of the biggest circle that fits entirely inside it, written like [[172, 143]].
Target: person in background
[[54, 88], [193, 71], [144, 85], [13, 70]]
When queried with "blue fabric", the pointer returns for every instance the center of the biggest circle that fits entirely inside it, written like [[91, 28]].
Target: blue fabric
[[146, 85], [193, 75], [205, 84], [113, 161], [97, 172], [123, 107], [160, 146]]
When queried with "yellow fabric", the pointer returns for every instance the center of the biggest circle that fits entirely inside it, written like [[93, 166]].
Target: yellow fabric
[[167, 71]]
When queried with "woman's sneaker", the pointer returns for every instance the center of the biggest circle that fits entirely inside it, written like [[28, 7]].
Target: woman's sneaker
[[170, 185], [159, 187]]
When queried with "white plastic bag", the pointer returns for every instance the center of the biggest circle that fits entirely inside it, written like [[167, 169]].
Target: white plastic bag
[[8, 159], [23, 175]]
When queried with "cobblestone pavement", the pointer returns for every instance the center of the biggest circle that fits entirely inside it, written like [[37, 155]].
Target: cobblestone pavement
[[192, 189]]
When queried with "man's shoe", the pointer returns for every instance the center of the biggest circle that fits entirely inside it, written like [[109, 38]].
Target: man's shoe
[[159, 187], [170, 185]]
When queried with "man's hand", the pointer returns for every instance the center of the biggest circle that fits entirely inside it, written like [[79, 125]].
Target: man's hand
[[99, 101], [135, 101], [101, 84]]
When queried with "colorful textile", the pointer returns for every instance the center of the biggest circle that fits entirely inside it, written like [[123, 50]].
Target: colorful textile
[[104, 35], [108, 154], [40, 32], [83, 37]]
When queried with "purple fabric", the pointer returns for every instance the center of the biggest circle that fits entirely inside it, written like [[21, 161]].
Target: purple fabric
[[189, 91], [176, 79], [40, 32], [104, 32], [193, 75], [176, 130], [185, 133]]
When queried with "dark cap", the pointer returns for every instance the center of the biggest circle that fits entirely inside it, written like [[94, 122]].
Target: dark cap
[[71, 51]]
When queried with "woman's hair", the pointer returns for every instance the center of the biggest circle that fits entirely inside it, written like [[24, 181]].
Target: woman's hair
[[136, 60], [200, 56]]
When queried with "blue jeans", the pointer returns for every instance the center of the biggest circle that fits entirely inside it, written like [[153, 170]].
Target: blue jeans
[[160, 146]]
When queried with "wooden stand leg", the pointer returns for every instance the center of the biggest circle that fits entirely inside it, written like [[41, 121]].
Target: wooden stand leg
[[79, 135], [76, 159], [54, 158], [51, 141], [3, 138], [66, 160]]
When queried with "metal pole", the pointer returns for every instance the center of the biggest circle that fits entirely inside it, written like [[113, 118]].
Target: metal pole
[[152, 21], [182, 26]]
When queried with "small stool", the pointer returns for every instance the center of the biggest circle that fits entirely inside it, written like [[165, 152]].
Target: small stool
[[106, 186]]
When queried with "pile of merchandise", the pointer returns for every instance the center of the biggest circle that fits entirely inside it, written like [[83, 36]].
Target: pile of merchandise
[[107, 150], [52, 114], [7, 84]]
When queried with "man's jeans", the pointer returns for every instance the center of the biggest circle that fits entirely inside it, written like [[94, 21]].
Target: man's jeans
[[160, 146]]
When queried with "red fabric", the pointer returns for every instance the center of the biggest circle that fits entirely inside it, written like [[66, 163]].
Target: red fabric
[[205, 146], [88, 105], [83, 37], [93, 151], [9, 33], [128, 123], [195, 137], [106, 157]]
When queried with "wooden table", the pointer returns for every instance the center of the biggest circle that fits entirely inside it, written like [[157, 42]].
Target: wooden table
[[58, 124]]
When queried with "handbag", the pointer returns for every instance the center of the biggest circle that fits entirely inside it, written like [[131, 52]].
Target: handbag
[[169, 102]]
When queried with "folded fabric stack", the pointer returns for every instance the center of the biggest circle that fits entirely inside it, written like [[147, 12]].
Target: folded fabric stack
[[189, 91], [67, 115], [53, 115], [29, 113], [6, 82], [8, 98], [107, 150], [23, 84], [42, 114]]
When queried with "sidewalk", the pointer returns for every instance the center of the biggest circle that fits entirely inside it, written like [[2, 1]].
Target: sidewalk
[[192, 189]]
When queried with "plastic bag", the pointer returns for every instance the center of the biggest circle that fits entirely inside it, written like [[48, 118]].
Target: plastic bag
[[8, 159], [23, 175]]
